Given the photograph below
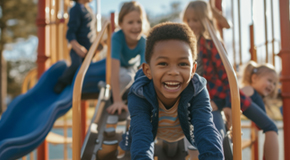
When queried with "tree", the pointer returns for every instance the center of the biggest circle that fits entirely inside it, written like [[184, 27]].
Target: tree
[[16, 71], [17, 20]]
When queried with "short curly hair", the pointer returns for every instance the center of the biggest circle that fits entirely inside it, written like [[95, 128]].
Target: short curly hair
[[170, 31]]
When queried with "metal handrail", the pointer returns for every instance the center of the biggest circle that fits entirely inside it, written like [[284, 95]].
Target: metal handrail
[[76, 154], [235, 96]]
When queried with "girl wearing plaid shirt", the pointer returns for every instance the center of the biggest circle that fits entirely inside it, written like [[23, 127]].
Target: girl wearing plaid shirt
[[210, 66]]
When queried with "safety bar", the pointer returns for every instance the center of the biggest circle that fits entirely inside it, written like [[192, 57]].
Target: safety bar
[[235, 95], [77, 90]]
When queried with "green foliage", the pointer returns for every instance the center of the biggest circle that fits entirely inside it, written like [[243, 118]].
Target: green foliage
[[16, 72], [18, 19]]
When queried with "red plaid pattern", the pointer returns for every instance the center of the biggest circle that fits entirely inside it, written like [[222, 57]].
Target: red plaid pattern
[[216, 76]]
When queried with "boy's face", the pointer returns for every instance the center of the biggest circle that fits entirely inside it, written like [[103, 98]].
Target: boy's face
[[171, 69]]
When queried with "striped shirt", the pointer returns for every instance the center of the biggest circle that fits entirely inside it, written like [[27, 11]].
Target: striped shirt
[[169, 128]]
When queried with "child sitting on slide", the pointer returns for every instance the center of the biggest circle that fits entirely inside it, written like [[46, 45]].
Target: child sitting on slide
[[127, 51]]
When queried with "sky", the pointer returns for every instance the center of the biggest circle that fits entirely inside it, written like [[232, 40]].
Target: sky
[[155, 7], [158, 7]]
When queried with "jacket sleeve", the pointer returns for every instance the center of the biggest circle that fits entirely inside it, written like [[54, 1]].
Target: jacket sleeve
[[73, 23], [207, 138], [142, 144]]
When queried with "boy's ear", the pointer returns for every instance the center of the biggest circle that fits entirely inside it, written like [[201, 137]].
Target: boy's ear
[[146, 70], [193, 69]]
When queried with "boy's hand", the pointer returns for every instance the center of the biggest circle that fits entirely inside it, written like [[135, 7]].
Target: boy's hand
[[117, 106], [228, 114], [82, 51], [79, 49], [213, 106]]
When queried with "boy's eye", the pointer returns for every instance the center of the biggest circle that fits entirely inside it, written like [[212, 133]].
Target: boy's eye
[[183, 64], [162, 64]]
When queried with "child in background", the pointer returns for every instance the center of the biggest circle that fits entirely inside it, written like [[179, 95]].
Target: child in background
[[210, 66], [80, 34], [260, 81], [128, 47], [170, 99]]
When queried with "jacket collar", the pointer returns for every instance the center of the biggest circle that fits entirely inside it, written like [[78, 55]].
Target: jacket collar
[[196, 85]]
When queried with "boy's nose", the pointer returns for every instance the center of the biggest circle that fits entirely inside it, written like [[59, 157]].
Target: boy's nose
[[173, 71]]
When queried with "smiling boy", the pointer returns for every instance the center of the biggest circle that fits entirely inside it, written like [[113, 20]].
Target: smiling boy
[[168, 100]]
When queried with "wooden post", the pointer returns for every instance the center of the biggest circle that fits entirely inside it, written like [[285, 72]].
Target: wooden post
[[255, 145], [53, 32], [3, 84], [83, 120], [285, 75], [233, 39], [65, 21], [47, 33], [252, 44], [266, 31], [273, 38], [240, 33], [57, 41], [42, 151]]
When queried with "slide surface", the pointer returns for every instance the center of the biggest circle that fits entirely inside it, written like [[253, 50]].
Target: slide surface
[[30, 116]]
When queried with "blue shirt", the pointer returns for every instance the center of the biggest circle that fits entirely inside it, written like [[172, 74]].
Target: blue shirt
[[257, 98], [126, 56], [81, 25], [194, 113]]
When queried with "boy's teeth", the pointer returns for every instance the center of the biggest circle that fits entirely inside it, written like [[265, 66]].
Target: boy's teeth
[[171, 83], [166, 86]]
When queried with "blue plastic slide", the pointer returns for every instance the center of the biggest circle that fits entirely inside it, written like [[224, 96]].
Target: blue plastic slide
[[30, 116]]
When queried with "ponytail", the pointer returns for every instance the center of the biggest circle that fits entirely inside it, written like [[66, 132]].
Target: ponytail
[[250, 68]]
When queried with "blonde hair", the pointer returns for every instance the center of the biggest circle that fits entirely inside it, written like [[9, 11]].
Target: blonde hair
[[128, 7], [203, 11], [259, 70]]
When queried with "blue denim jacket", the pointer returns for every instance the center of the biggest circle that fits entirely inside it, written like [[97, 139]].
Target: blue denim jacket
[[194, 111]]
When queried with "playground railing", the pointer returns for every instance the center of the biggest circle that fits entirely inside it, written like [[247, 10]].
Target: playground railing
[[76, 105], [235, 96]]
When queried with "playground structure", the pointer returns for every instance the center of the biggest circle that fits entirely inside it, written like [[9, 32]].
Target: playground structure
[[52, 26]]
